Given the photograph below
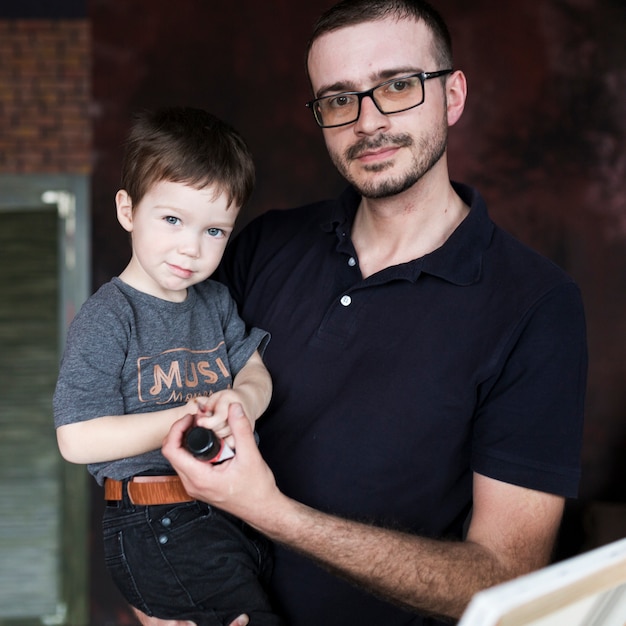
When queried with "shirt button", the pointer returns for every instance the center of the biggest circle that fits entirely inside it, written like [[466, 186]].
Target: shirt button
[[351, 261], [346, 300]]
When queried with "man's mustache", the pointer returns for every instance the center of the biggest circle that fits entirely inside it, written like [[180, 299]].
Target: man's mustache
[[383, 141]]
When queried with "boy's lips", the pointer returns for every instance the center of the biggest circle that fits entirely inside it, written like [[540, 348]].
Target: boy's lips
[[180, 271]]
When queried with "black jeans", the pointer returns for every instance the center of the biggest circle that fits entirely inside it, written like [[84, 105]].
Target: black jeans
[[188, 561]]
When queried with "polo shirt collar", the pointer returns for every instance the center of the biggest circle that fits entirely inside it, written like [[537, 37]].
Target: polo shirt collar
[[458, 261]]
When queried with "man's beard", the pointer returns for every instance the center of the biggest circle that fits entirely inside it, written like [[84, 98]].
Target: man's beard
[[429, 152]]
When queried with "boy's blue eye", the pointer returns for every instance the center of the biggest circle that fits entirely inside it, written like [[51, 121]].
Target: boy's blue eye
[[170, 219], [215, 232]]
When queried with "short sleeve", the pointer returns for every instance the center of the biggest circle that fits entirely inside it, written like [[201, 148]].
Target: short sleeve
[[528, 428]]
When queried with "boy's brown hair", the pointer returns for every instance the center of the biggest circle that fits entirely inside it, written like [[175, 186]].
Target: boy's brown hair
[[190, 146]]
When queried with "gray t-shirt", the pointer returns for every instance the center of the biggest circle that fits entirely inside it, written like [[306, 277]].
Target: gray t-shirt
[[129, 352]]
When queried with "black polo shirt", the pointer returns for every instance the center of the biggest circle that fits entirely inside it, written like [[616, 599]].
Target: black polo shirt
[[390, 392]]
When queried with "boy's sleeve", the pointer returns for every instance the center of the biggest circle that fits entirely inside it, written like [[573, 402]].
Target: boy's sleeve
[[88, 385]]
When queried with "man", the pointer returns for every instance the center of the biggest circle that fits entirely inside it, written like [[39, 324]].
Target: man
[[428, 369]]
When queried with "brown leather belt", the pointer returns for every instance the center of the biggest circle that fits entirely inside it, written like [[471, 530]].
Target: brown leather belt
[[146, 490]]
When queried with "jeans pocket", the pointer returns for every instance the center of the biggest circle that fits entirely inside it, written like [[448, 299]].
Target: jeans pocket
[[117, 564]]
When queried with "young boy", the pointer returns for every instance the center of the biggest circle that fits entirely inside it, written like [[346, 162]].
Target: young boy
[[154, 344]]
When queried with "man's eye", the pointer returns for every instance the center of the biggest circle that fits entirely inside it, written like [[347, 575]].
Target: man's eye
[[399, 85], [340, 101]]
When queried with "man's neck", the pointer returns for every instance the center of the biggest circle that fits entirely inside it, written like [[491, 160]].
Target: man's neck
[[395, 230]]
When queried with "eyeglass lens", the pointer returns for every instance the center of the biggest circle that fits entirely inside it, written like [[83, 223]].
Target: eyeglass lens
[[391, 96]]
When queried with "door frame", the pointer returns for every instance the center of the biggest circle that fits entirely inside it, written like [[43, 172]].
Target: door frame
[[68, 194]]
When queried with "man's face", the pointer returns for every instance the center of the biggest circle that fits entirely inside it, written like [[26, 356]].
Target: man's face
[[381, 155]]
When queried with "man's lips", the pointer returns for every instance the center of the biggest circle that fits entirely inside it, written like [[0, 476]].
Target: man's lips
[[384, 148], [378, 154]]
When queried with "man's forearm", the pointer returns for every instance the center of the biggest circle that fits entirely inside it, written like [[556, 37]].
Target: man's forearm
[[512, 530], [430, 576]]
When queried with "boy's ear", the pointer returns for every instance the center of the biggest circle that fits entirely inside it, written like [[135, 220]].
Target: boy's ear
[[124, 206]]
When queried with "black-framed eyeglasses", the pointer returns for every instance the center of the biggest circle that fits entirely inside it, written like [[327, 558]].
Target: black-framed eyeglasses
[[392, 96]]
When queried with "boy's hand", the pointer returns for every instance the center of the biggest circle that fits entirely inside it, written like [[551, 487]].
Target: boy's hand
[[195, 406], [213, 413]]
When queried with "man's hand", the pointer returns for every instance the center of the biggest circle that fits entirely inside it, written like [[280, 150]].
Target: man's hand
[[243, 486]]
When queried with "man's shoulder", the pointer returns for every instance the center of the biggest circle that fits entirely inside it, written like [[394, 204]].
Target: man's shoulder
[[286, 229], [516, 269], [514, 254], [508, 254], [296, 218]]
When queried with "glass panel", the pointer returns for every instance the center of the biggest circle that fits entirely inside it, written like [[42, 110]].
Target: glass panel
[[29, 460]]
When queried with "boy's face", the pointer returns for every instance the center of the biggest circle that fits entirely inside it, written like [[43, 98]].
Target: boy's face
[[179, 234]]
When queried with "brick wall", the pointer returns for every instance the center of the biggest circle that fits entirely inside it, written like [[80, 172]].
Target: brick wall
[[45, 96]]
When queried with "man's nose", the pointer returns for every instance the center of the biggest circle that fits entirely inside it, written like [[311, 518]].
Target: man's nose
[[370, 119]]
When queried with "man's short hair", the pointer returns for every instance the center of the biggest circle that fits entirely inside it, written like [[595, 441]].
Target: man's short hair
[[353, 12]]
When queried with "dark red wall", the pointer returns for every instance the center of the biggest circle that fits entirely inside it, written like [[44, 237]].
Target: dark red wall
[[542, 137]]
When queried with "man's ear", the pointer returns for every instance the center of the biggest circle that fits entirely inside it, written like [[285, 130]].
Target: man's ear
[[124, 206], [456, 94]]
